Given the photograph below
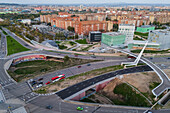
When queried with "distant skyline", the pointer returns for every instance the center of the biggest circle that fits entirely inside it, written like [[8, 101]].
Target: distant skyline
[[84, 1]]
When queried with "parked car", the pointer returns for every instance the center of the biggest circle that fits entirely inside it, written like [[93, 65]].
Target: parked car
[[48, 82], [40, 79], [39, 85], [33, 83]]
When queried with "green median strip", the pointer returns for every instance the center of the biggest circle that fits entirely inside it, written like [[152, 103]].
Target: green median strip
[[13, 46]]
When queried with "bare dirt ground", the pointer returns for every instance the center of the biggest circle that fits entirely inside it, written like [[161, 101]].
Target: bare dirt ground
[[141, 80]]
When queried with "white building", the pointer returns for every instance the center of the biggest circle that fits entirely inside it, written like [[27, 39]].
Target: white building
[[128, 30], [162, 37], [26, 21]]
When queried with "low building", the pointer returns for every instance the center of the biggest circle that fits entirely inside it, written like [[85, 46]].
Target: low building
[[138, 45], [39, 26], [50, 43], [95, 36], [113, 39], [145, 28], [26, 21], [162, 37]]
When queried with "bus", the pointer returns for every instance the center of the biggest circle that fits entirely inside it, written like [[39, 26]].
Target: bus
[[58, 77]]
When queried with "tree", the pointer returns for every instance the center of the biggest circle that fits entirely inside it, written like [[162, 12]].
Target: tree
[[66, 58], [115, 20], [76, 36], [115, 27], [49, 24], [70, 28]]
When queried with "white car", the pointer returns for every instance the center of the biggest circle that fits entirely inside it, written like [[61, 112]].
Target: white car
[[39, 85]]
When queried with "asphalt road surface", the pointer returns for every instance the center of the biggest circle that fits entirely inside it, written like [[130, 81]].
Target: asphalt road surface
[[67, 92], [2, 45]]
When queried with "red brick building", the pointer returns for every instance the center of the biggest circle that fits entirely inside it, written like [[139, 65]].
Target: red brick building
[[81, 27]]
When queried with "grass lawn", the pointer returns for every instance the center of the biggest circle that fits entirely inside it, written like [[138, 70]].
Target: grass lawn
[[82, 41], [14, 47], [72, 43], [141, 34], [130, 97], [57, 42], [31, 69], [62, 47]]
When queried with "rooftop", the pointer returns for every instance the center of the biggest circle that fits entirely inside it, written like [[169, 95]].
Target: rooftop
[[161, 31], [95, 32], [113, 33], [146, 26], [126, 25], [143, 42]]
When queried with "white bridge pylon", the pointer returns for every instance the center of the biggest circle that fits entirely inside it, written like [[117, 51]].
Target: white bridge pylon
[[137, 59]]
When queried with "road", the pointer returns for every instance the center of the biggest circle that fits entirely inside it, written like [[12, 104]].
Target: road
[[3, 48], [87, 84], [39, 104]]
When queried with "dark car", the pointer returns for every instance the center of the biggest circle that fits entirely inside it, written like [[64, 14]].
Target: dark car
[[168, 58], [88, 64], [40, 79], [49, 107], [78, 66], [40, 83], [33, 83]]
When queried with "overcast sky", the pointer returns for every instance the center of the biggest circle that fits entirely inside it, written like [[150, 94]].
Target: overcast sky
[[82, 1]]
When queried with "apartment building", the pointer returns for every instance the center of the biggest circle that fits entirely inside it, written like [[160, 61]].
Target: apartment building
[[84, 27]]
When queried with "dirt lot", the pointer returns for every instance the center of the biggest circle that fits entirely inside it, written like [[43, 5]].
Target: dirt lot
[[142, 80]]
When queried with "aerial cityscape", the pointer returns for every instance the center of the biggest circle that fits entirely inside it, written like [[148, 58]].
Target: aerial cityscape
[[84, 56]]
